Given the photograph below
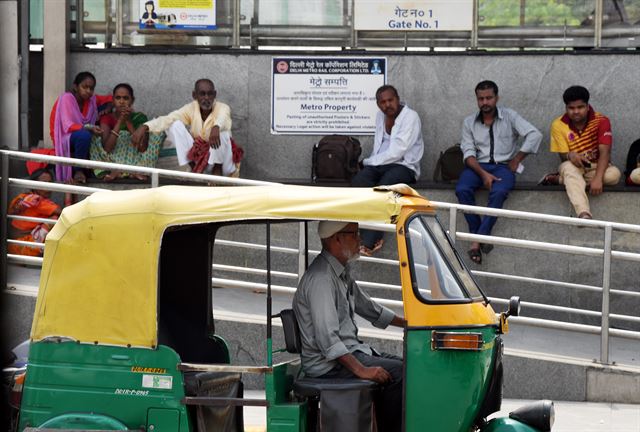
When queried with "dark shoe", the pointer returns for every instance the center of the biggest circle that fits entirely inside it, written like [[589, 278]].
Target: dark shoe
[[550, 179], [475, 255], [486, 247]]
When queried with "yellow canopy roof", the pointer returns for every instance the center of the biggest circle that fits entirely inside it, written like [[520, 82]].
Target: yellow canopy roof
[[100, 270]]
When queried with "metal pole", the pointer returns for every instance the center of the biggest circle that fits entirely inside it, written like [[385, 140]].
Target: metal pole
[[269, 305], [155, 179], [119, 23], [24, 75], [597, 31], [79, 21], [523, 9], [474, 25], [235, 41], [352, 24], [606, 282], [255, 22], [453, 223], [4, 222], [302, 249], [107, 22]]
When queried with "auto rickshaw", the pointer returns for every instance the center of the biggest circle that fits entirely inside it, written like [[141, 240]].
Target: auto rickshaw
[[123, 335]]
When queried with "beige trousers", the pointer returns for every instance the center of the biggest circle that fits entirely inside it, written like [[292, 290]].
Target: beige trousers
[[575, 181]]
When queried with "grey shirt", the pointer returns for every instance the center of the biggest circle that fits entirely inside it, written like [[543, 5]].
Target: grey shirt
[[324, 304], [507, 127]]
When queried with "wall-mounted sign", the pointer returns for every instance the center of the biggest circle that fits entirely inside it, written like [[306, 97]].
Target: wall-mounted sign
[[325, 95], [177, 14], [436, 15]]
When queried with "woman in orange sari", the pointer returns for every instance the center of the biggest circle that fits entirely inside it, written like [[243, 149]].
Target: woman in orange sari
[[34, 204]]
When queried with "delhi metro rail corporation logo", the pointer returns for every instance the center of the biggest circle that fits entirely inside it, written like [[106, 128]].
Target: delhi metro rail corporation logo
[[282, 66]]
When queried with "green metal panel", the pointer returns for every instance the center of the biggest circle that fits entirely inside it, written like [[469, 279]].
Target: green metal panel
[[445, 388], [284, 416], [505, 424], [290, 417], [118, 382], [87, 421], [163, 420]]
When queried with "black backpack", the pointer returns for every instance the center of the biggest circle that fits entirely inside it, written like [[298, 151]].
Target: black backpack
[[449, 165], [335, 159]]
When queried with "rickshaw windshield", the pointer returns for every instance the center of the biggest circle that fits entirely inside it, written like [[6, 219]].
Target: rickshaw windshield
[[437, 272]]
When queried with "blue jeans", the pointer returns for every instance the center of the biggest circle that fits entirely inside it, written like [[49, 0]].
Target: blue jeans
[[371, 176], [470, 182], [80, 143]]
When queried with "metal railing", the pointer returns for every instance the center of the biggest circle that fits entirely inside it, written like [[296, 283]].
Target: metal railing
[[606, 252], [235, 30]]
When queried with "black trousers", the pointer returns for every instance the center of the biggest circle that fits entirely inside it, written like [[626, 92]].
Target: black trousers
[[371, 176], [389, 400]]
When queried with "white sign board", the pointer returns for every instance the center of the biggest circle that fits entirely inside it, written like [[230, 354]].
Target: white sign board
[[177, 14], [436, 15], [325, 95]]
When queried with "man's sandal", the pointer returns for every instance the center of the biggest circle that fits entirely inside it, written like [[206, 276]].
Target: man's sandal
[[475, 255], [550, 179]]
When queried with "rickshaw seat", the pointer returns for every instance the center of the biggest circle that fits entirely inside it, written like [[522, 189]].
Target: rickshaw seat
[[313, 387]]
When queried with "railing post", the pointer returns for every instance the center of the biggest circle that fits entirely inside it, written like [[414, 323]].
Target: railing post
[[119, 23], [79, 22], [597, 29], [606, 282], [453, 223], [107, 23], [155, 179], [475, 24], [352, 24], [4, 222], [235, 41]]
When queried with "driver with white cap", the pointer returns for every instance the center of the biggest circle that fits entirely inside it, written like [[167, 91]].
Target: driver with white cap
[[325, 303]]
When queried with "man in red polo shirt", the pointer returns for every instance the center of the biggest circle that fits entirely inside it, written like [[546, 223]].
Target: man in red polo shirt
[[582, 138]]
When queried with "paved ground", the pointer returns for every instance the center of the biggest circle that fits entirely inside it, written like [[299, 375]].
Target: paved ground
[[570, 416]]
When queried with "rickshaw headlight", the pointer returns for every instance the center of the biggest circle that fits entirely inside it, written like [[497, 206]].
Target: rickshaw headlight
[[540, 415]]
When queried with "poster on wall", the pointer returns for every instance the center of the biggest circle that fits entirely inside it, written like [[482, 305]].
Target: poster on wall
[[431, 15], [325, 95], [177, 14]]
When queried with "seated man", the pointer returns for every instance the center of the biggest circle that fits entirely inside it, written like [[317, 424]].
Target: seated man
[[209, 123], [492, 157], [324, 304], [582, 138], [397, 151]]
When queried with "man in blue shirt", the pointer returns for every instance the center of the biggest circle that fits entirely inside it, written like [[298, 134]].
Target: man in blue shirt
[[492, 158]]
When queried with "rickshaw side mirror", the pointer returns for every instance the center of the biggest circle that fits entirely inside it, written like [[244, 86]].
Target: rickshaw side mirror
[[514, 306], [514, 310]]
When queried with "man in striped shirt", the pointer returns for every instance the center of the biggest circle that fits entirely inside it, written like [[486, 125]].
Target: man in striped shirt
[[582, 138]]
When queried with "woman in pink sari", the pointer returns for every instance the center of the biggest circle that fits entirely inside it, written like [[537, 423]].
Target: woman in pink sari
[[73, 123]]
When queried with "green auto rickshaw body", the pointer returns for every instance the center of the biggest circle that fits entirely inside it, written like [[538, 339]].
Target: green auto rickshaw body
[[117, 327]]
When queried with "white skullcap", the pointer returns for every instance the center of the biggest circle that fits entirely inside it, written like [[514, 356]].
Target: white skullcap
[[328, 228]]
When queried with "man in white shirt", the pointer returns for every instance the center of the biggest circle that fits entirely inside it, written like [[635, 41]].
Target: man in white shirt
[[397, 151], [202, 119]]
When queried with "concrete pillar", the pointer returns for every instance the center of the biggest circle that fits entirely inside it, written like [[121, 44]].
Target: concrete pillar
[[9, 76], [56, 54]]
